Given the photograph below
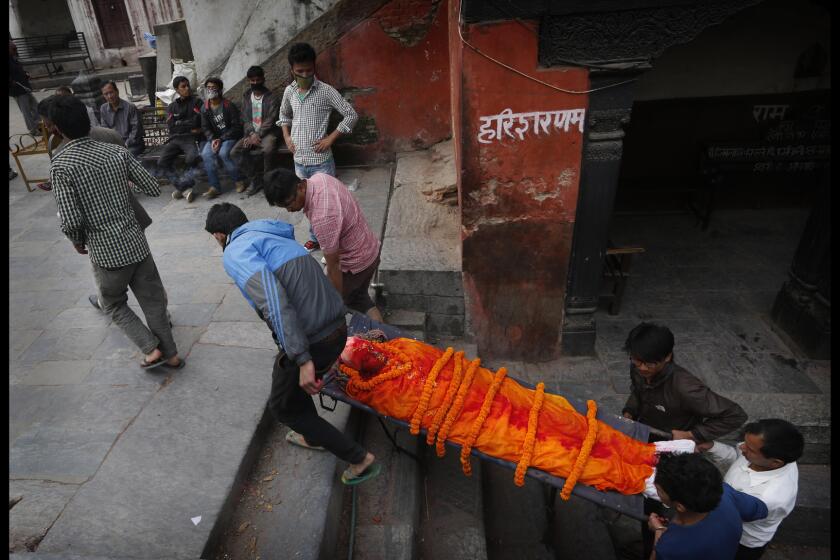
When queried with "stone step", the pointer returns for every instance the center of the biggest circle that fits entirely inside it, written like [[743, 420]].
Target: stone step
[[406, 320], [452, 519], [810, 521], [387, 507]]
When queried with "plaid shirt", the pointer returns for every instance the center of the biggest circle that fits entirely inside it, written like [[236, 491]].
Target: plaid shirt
[[309, 118], [90, 184], [339, 224]]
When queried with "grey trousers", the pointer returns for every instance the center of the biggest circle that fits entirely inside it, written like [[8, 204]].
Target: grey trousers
[[29, 107], [143, 279]]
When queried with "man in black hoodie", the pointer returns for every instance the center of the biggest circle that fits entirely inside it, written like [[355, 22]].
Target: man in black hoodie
[[183, 117], [21, 90], [256, 152]]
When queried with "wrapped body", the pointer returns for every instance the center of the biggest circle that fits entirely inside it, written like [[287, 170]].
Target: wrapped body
[[390, 377]]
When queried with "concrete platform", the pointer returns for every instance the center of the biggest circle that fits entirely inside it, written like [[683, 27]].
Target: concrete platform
[[113, 461]]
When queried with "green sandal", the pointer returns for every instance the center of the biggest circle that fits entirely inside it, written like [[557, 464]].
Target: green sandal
[[351, 479]]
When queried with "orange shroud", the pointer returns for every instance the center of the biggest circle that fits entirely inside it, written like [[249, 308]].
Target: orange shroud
[[390, 377]]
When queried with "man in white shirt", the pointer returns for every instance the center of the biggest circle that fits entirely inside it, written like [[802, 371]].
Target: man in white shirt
[[764, 466]]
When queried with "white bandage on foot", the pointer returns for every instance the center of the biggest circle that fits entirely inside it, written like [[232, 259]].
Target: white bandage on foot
[[675, 446]]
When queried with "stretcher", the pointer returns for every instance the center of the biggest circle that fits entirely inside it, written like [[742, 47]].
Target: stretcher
[[631, 505]]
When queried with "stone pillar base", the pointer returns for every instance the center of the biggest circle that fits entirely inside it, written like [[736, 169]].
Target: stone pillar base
[[578, 337]]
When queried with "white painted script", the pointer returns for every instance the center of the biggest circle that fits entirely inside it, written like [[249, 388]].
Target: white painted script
[[767, 112], [516, 125]]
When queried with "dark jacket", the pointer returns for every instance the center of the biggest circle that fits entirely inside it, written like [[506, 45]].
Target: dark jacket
[[677, 400], [270, 112], [18, 80], [284, 285], [183, 115], [233, 124]]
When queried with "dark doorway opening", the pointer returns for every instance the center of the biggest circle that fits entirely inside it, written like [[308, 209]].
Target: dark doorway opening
[[114, 24]]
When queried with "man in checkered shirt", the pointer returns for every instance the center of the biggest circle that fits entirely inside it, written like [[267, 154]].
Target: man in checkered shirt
[[304, 114], [90, 184]]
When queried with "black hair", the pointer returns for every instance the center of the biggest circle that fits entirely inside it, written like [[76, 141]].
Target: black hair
[[178, 81], [224, 218], [301, 52], [649, 342], [110, 83], [691, 480], [63, 90], [69, 114], [215, 80], [255, 72], [279, 185], [781, 439], [44, 106]]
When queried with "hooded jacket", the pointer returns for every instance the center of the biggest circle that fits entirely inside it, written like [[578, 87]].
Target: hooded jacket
[[284, 284], [270, 110], [183, 115], [677, 400], [233, 123]]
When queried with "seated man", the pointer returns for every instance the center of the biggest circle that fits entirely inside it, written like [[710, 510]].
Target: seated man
[[256, 152], [122, 116], [764, 466], [222, 127], [306, 317], [183, 118], [708, 512], [351, 249]]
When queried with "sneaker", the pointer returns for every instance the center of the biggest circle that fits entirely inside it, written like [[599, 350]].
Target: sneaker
[[212, 192], [241, 186], [94, 301], [189, 195], [12, 174], [176, 194], [253, 189], [311, 245]]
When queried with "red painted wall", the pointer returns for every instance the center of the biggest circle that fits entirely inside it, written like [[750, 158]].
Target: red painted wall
[[397, 62], [518, 196]]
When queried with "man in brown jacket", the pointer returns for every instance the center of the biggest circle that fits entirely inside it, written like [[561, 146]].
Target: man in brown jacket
[[669, 398]]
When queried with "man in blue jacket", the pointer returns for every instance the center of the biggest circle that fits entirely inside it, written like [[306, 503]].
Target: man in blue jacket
[[289, 291]]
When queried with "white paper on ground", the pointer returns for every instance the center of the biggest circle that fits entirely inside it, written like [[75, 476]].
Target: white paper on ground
[[196, 520]]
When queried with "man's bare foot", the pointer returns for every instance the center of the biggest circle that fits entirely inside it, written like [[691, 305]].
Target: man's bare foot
[[375, 314], [359, 468], [154, 356], [174, 360]]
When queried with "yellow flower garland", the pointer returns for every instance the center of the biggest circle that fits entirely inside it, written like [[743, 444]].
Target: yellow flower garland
[[455, 410], [426, 395], [447, 399], [479, 421], [530, 436], [585, 449]]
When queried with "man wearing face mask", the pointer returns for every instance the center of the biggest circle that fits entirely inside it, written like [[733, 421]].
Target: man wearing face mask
[[256, 152], [304, 116], [222, 126]]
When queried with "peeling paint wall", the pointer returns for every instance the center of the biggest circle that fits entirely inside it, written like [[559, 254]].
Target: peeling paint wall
[[228, 36], [518, 193]]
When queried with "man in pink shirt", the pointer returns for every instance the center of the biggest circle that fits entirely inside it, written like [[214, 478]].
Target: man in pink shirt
[[350, 248]]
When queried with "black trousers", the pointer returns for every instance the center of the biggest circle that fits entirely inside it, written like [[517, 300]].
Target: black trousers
[[746, 553], [292, 406], [179, 144]]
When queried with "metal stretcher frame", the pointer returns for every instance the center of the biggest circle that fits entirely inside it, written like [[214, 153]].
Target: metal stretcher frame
[[631, 505]]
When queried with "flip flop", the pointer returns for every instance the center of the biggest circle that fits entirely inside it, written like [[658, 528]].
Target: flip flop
[[351, 479], [297, 439], [149, 365], [180, 365]]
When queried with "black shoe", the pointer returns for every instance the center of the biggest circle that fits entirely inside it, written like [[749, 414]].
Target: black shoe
[[253, 189], [12, 174], [94, 301]]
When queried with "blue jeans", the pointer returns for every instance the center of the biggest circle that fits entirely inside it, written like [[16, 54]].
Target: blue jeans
[[210, 164], [307, 171]]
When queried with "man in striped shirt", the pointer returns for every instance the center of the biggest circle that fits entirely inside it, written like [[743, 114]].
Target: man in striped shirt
[[351, 249], [90, 184]]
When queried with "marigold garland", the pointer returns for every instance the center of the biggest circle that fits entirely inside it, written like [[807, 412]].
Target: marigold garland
[[447, 399], [530, 436], [585, 449], [391, 372], [466, 448], [426, 395], [456, 407]]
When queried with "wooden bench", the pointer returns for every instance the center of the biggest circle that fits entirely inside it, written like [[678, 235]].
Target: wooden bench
[[22, 145], [720, 162], [617, 262], [52, 50]]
